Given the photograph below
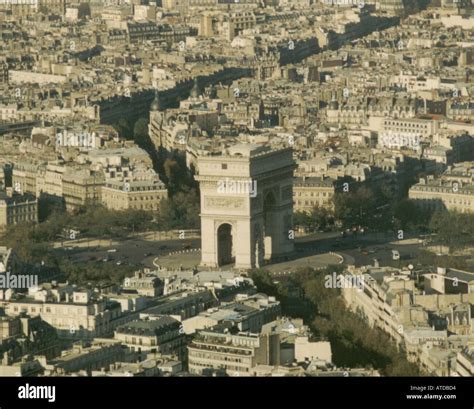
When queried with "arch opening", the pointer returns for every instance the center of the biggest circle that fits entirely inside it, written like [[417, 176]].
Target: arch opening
[[225, 248]]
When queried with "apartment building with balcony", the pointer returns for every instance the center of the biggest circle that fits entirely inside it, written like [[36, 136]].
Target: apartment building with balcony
[[220, 351]]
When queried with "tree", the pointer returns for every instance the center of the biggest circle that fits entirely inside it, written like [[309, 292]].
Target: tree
[[456, 230], [406, 214], [177, 176], [123, 128], [84, 10], [180, 211], [322, 217], [174, 174], [303, 219], [355, 208], [353, 342], [264, 283], [140, 132]]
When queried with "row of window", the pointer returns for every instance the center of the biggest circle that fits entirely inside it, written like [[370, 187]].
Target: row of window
[[406, 124], [226, 358], [134, 198], [21, 209], [49, 310], [312, 194], [21, 218], [437, 204], [308, 203]]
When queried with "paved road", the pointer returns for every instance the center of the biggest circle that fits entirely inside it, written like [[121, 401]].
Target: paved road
[[358, 250], [361, 249], [136, 251]]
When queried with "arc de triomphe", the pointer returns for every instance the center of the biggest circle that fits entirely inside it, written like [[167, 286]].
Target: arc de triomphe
[[246, 205]]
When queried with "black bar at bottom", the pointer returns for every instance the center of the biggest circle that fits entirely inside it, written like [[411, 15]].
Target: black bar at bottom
[[233, 393]]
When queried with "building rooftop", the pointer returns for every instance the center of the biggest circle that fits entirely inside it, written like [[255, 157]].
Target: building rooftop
[[153, 327]]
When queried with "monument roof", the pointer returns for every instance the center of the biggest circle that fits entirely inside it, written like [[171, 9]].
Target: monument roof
[[247, 149]]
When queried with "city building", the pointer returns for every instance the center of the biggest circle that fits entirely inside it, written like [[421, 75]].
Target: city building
[[17, 208], [311, 192], [212, 351], [158, 334], [453, 190]]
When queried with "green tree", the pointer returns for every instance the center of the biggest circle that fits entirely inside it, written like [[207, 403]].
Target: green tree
[[140, 132], [406, 214], [265, 283], [355, 208], [455, 230], [84, 10], [353, 342], [303, 219], [322, 217], [123, 128], [180, 211]]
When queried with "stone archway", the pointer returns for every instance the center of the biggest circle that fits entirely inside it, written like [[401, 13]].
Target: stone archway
[[224, 245], [245, 227]]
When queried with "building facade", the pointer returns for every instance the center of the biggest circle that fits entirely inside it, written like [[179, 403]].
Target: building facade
[[234, 355]]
